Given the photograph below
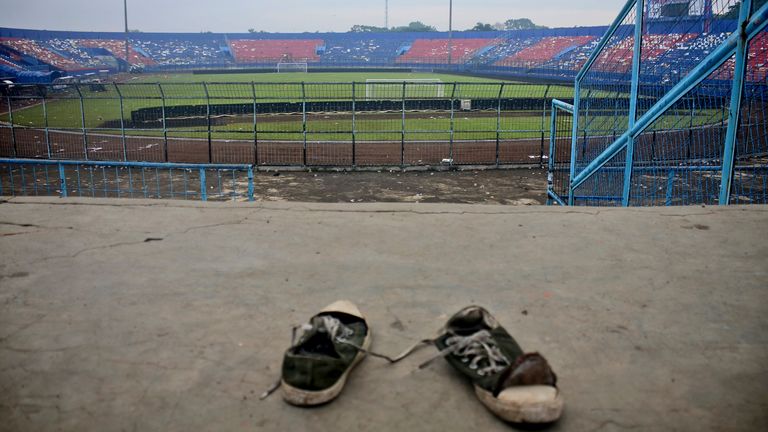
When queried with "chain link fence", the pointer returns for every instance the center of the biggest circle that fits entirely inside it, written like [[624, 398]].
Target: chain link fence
[[354, 124]]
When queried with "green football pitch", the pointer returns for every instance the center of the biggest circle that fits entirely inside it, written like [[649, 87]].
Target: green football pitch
[[101, 108]]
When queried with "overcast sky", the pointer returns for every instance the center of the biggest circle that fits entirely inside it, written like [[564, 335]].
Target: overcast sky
[[293, 15]]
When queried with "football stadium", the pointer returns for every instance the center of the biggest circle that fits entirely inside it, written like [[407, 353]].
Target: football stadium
[[175, 202]]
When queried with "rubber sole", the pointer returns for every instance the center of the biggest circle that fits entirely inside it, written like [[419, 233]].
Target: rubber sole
[[304, 398], [524, 404]]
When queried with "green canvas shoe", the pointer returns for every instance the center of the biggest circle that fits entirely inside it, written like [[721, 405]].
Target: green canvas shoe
[[518, 387], [323, 354]]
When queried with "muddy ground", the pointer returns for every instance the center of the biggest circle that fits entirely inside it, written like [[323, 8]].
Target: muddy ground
[[507, 187]]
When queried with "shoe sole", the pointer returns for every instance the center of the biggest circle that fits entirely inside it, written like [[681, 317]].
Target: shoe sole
[[524, 404], [304, 398]]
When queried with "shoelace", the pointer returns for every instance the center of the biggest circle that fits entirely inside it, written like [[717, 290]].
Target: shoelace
[[475, 349]]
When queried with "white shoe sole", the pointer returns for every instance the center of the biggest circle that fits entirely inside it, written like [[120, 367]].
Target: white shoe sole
[[524, 404], [300, 397]]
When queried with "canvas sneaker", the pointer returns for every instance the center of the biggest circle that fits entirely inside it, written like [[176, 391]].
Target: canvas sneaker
[[323, 353], [518, 387]]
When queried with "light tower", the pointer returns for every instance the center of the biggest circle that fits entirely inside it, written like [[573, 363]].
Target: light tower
[[386, 14], [125, 16], [450, 32]]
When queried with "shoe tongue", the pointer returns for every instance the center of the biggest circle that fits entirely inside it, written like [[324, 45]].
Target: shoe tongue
[[317, 340]]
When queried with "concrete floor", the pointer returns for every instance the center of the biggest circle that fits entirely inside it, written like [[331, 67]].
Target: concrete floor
[[172, 316]]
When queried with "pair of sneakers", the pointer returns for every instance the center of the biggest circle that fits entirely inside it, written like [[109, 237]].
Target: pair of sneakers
[[517, 387]]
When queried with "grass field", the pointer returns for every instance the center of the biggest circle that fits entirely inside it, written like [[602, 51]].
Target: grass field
[[103, 111]]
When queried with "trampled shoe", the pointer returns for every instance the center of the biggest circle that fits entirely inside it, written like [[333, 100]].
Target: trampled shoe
[[322, 355], [517, 387]]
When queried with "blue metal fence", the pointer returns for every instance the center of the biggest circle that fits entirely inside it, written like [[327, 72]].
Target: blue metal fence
[[25, 177], [698, 137]]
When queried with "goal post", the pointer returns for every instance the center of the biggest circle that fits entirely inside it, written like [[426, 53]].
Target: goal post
[[284, 67], [392, 89]]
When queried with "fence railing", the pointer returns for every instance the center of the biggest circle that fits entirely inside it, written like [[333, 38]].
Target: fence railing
[[717, 154], [559, 152], [24, 177], [281, 124]]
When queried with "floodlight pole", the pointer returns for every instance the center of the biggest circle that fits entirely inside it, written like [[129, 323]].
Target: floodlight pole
[[125, 16], [450, 32], [386, 14]]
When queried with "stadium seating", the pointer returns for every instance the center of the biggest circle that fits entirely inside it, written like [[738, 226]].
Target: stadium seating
[[547, 49], [503, 48], [117, 49], [185, 52], [758, 58], [361, 50], [550, 53], [34, 49], [618, 58], [274, 50], [435, 51], [69, 48], [10, 65]]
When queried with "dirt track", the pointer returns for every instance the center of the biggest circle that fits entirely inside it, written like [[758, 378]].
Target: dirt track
[[31, 143]]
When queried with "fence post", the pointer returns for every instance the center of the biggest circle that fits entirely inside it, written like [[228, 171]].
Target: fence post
[[82, 121], [354, 126], [203, 186], [402, 132], [552, 151], [45, 122], [453, 122], [670, 187], [498, 124], [690, 129], [255, 126], [10, 119], [122, 123], [62, 181], [208, 118], [165, 128], [737, 95], [304, 123], [636, 58], [543, 125], [250, 184]]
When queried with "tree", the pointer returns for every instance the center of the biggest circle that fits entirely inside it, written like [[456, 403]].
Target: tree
[[521, 24], [367, 29], [416, 26], [482, 27]]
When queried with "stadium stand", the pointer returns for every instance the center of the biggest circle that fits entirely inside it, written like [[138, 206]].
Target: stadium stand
[[35, 50], [185, 52], [69, 48], [503, 48], [274, 50], [618, 58], [545, 53], [758, 58], [361, 49], [435, 51], [117, 49], [547, 49]]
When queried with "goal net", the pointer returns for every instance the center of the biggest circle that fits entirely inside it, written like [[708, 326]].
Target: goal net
[[392, 89], [283, 67]]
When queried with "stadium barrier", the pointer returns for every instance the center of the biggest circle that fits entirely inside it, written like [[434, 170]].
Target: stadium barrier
[[700, 137], [347, 125], [32, 177]]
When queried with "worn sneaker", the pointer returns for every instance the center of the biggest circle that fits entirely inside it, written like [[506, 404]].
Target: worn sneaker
[[517, 387], [323, 353]]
